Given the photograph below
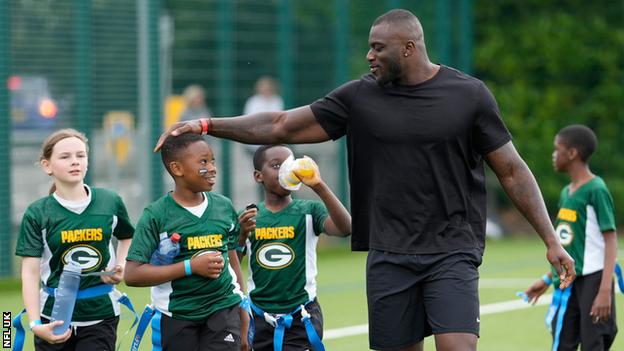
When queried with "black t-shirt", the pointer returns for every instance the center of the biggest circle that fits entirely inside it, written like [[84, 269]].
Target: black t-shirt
[[415, 160]]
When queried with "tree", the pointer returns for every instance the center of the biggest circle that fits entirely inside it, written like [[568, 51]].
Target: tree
[[551, 64]]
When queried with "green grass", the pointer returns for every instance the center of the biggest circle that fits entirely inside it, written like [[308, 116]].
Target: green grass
[[342, 296]]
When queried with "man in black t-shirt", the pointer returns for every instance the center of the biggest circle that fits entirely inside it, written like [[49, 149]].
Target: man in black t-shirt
[[417, 136]]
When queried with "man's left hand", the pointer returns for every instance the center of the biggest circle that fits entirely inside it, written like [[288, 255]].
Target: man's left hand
[[563, 263]]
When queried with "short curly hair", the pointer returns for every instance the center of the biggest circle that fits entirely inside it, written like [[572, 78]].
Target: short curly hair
[[580, 137], [174, 146]]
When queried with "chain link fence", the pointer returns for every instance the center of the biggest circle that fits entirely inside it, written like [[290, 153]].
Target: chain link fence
[[117, 70]]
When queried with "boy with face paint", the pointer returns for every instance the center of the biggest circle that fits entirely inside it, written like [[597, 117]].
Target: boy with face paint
[[197, 296]]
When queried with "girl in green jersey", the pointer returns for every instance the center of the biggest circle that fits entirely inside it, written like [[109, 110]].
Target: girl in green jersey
[[76, 223]]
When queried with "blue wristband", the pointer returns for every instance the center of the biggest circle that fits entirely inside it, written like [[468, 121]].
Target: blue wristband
[[547, 279], [34, 323], [187, 267]]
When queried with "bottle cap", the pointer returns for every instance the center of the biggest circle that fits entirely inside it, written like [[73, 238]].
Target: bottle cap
[[287, 179], [175, 237], [72, 266]]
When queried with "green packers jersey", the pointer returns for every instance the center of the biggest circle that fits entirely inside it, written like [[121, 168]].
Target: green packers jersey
[[193, 297], [58, 235], [582, 218], [282, 255]]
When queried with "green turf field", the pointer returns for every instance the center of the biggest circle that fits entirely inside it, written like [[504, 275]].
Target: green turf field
[[509, 266]]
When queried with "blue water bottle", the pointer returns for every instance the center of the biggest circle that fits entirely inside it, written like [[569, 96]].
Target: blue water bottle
[[65, 296], [168, 249]]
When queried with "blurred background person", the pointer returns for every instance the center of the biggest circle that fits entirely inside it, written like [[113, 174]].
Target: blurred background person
[[195, 99], [266, 97]]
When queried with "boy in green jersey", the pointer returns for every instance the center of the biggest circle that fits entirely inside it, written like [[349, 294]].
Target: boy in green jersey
[[197, 296], [585, 224], [280, 237], [76, 223]]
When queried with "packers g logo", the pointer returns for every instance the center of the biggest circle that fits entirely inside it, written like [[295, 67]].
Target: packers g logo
[[565, 233], [275, 256], [86, 256], [203, 252]]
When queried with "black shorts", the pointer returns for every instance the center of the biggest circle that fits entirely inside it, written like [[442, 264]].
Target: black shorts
[[219, 332], [295, 338], [414, 296], [101, 336], [578, 327]]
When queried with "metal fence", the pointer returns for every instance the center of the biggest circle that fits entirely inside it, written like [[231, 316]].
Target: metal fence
[[117, 69]]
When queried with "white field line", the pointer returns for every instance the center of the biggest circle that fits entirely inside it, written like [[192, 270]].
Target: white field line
[[504, 283], [492, 308]]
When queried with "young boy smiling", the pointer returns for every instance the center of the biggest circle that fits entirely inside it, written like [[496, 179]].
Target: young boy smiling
[[197, 296]]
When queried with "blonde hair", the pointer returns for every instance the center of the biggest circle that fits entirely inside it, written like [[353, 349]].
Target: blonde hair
[[53, 139]]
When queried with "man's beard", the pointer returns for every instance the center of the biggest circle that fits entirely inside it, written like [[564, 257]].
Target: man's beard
[[391, 72]]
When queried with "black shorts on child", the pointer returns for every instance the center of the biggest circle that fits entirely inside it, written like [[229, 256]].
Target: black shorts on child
[[219, 332], [101, 336], [578, 327]]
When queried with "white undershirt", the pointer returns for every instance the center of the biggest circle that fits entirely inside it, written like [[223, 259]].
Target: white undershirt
[[75, 206], [198, 210]]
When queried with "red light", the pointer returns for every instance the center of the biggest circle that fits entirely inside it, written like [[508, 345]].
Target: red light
[[14, 82], [47, 108]]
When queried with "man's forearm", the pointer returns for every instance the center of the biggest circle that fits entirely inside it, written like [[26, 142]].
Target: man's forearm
[[259, 128], [522, 189]]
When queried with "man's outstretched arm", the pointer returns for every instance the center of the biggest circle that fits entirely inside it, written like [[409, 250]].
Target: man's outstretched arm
[[296, 126], [520, 185]]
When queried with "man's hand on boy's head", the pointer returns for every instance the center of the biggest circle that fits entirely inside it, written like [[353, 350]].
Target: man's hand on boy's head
[[308, 172], [209, 265], [192, 126]]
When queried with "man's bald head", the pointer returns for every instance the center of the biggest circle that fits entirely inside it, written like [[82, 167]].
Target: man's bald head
[[405, 24]]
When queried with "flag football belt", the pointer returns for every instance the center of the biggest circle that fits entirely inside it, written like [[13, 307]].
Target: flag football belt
[[283, 322], [619, 278], [559, 305], [144, 322], [94, 291]]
